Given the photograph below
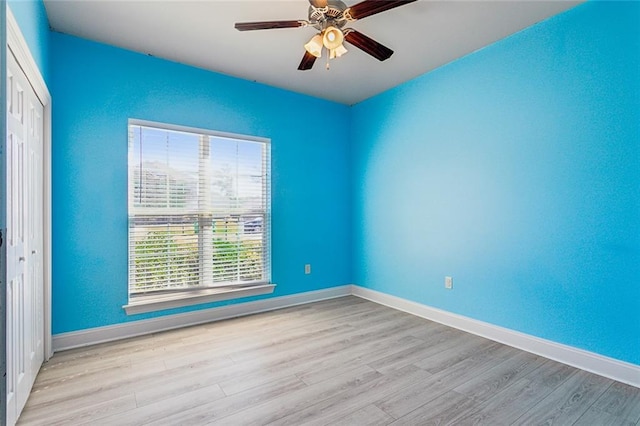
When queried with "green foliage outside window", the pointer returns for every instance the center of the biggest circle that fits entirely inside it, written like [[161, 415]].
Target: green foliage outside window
[[160, 258]]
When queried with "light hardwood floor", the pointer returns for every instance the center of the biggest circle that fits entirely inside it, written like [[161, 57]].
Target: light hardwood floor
[[344, 361]]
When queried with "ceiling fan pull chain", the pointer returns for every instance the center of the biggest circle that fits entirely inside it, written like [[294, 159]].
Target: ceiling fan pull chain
[[328, 62]]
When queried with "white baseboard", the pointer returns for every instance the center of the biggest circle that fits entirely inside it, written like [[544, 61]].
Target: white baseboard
[[603, 366], [608, 367], [96, 335]]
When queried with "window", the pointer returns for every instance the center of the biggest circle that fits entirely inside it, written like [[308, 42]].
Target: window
[[199, 216]]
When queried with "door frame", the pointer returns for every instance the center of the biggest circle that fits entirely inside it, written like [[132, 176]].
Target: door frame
[[17, 45]]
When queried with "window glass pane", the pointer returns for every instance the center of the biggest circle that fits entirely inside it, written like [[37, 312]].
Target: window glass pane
[[198, 210]]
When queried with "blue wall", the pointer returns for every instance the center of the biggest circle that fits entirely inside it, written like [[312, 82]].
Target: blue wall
[[97, 88], [31, 17], [516, 170]]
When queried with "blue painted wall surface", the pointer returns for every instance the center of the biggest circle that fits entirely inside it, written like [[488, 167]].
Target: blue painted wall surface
[[31, 17], [97, 88], [516, 170]]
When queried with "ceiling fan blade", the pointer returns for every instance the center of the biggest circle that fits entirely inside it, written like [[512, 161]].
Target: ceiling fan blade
[[319, 3], [371, 7], [268, 25], [307, 62], [368, 45]]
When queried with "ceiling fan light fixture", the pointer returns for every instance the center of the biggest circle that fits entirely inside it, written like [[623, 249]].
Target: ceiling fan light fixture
[[314, 46], [337, 52], [332, 38]]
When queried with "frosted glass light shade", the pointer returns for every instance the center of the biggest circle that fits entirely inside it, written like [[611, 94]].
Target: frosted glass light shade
[[314, 46], [332, 38], [337, 52]]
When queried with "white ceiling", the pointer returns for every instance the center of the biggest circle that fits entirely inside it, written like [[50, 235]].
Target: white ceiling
[[424, 36]]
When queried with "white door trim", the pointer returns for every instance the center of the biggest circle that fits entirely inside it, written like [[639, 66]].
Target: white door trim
[[18, 45]]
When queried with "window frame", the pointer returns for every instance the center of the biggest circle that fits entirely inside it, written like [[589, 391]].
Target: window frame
[[174, 298]]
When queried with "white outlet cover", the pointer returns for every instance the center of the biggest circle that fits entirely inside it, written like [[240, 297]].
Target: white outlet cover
[[448, 282]]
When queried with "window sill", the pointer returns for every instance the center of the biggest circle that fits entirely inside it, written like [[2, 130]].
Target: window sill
[[142, 304]]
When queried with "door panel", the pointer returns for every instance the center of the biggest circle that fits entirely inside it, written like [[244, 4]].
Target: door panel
[[24, 238], [35, 233]]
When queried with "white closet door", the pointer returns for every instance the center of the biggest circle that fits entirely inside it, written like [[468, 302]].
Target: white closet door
[[35, 229], [24, 238]]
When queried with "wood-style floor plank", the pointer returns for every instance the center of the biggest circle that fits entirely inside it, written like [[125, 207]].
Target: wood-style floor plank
[[439, 411], [212, 410], [345, 403], [344, 361], [411, 397], [80, 414], [367, 416], [486, 385], [277, 408], [505, 407], [568, 402], [620, 402]]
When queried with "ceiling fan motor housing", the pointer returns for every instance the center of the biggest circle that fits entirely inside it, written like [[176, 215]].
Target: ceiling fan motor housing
[[331, 15]]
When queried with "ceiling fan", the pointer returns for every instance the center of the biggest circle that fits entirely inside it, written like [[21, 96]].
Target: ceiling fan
[[329, 17]]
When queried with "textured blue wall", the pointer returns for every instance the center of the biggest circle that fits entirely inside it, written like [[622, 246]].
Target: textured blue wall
[[516, 170], [97, 88], [31, 17]]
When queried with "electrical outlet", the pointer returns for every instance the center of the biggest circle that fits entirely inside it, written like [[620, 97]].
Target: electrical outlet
[[448, 283], [307, 268]]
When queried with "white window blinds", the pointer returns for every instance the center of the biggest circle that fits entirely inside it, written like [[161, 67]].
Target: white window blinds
[[199, 209]]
